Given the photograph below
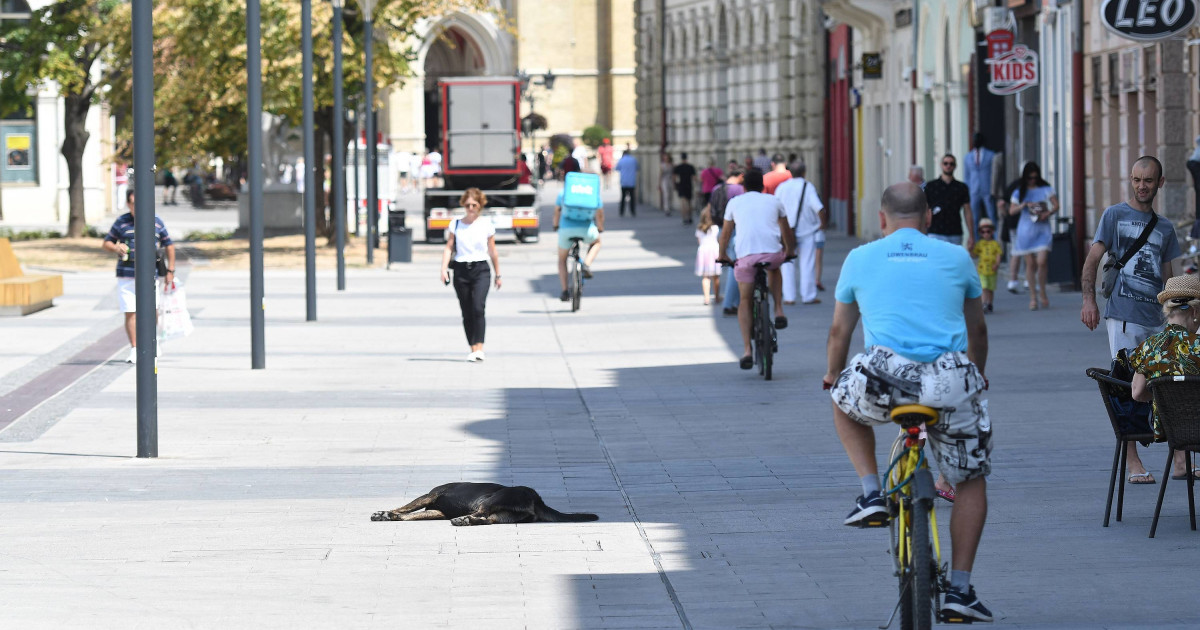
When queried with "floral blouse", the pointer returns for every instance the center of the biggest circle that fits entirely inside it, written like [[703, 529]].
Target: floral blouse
[[1172, 352]]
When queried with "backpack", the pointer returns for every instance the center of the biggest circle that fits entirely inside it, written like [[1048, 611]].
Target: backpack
[[581, 196], [717, 199]]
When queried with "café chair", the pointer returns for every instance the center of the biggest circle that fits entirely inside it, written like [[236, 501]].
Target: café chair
[[1177, 401], [1130, 423]]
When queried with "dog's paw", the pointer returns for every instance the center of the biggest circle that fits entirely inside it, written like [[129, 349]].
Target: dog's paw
[[381, 516], [460, 521]]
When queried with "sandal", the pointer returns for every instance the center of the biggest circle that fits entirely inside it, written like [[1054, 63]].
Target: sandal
[[746, 363], [946, 494], [781, 322], [1139, 479]]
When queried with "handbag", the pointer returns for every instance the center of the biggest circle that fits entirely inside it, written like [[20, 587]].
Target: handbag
[[160, 262], [176, 321], [1112, 268]]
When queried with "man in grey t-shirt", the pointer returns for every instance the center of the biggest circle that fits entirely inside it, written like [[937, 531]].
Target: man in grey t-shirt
[[1132, 312]]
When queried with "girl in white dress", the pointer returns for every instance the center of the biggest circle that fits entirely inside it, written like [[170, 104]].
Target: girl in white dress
[[706, 256]]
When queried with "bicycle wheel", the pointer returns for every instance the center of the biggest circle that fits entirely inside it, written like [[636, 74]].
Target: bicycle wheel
[[576, 286], [922, 567], [766, 330]]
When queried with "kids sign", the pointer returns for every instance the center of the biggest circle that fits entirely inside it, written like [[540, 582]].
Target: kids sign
[[1012, 71]]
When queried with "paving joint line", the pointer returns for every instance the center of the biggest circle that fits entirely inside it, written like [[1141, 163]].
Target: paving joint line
[[612, 467]]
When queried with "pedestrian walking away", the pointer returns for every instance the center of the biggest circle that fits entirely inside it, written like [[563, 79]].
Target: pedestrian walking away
[[121, 179], [717, 201], [981, 178], [605, 155], [576, 222], [1008, 232], [470, 243], [709, 178], [1035, 202], [949, 201], [778, 174], [120, 241], [933, 355], [707, 250], [762, 235], [1132, 313], [627, 171], [169, 184], [685, 186], [806, 216], [666, 183]]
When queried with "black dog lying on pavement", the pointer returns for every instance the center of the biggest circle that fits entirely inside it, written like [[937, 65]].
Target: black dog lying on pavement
[[481, 504]]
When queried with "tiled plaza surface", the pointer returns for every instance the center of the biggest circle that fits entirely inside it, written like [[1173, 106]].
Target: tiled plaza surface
[[720, 495]]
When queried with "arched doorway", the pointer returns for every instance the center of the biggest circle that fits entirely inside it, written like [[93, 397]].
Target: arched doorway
[[453, 53]]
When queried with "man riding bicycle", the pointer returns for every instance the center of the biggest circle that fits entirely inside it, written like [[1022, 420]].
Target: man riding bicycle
[[568, 228], [926, 343], [763, 236]]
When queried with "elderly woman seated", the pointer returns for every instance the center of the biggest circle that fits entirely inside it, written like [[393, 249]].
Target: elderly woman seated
[[1173, 352]]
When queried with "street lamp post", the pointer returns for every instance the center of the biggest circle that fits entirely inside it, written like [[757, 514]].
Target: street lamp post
[[369, 83], [527, 81], [338, 204], [310, 163], [258, 352], [145, 238]]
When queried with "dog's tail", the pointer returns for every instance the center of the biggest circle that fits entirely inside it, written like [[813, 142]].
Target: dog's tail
[[551, 515]]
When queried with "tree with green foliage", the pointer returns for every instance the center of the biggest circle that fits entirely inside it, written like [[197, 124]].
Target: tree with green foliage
[[65, 44], [595, 135], [200, 70]]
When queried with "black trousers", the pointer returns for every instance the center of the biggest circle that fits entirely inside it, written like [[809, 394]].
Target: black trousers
[[628, 192], [471, 283]]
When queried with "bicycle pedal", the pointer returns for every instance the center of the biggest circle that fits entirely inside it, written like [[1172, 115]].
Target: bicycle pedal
[[871, 522], [949, 616]]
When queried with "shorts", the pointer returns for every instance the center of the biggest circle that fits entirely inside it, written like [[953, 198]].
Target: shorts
[[605, 170], [1129, 335], [987, 281], [819, 239], [589, 235], [961, 441], [127, 295], [684, 193], [743, 269]]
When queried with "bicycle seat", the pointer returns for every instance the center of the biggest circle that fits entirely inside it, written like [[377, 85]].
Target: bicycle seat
[[762, 265], [914, 415], [576, 239]]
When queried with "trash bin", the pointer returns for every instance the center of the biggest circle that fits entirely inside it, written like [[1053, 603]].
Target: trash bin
[[399, 238], [1062, 267]]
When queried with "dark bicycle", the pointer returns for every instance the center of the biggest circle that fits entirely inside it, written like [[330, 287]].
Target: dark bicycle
[[575, 273], [763, 338]]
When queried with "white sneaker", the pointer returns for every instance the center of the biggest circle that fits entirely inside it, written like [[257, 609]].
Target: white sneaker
[[480, 356], [473, 357], [132, 358]]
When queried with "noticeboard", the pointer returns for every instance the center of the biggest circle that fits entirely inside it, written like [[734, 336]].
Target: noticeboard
[[18, 152]]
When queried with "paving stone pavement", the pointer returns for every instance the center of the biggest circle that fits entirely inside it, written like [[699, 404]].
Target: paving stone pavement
[[720, 495]]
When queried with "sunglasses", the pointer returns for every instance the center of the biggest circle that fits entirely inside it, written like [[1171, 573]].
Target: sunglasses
[[471, 204], [988, 230], [948, 163]]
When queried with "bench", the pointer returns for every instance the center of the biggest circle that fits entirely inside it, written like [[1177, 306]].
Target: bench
[[22, 294]]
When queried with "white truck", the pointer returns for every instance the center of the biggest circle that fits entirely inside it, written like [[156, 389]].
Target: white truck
[[480, 122]]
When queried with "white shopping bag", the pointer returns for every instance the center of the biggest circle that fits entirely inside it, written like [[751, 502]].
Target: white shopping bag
[[176, 322]]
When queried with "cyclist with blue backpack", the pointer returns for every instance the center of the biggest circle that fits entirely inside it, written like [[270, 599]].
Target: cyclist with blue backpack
[[578, 213]]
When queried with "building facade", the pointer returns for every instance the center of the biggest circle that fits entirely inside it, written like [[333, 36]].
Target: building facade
[[722, 79], [585, 45]]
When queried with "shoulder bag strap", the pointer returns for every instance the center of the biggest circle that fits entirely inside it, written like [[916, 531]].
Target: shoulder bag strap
[[800, 204], [1141, 240]]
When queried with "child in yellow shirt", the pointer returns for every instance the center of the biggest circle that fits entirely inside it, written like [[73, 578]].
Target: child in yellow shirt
[[987, 256]]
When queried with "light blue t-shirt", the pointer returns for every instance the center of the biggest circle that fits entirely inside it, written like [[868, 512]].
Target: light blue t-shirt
[[564, 221], [910, 289], [627, 166]]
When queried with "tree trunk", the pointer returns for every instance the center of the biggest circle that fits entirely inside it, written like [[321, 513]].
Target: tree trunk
[[319, 182], [75, 138]]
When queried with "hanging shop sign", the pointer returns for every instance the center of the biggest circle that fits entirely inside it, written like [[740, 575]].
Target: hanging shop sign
[[1012, 71], [1148, 20], [872, 66]]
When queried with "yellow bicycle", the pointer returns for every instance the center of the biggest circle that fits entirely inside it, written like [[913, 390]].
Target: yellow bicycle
[[908, 486]]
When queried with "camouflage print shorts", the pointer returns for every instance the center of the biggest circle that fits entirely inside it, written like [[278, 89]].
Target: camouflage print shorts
[[961, 441]]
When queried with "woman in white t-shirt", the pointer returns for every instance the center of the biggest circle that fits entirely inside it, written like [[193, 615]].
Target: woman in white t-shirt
[[470, 242]]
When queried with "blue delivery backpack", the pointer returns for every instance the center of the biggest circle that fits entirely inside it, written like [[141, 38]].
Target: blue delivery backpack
[[581, 196]]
